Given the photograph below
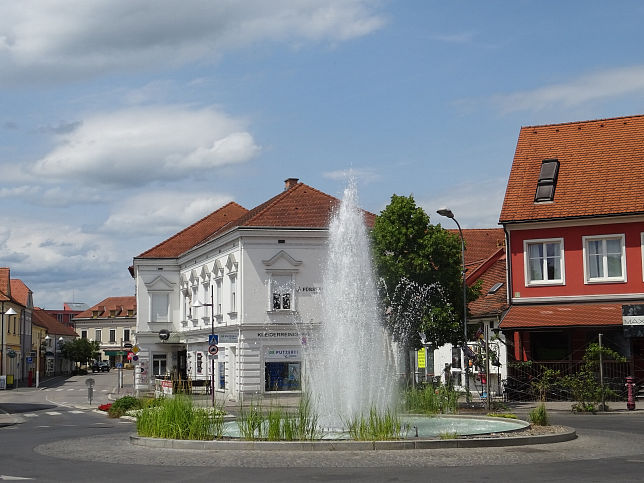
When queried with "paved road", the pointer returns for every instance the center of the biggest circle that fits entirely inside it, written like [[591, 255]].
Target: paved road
[[63, 439]]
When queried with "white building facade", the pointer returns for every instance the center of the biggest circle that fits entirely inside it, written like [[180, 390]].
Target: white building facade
[[251, 278]]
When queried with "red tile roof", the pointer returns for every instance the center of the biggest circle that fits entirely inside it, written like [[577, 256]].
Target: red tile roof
[[120, 305], [19, 291], [601, 170], [563, 315], [298, 206], [41, 318], [491, 304], [195, 233], [485, 261]]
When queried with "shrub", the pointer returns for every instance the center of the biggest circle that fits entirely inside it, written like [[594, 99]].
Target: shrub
[[539, 415], [124, 404]]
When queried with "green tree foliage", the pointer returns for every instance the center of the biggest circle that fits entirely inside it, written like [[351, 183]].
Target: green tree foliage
[[426, 258], [81, 350]]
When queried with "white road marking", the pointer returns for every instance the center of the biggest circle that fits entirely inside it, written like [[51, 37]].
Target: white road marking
[[58, 390], [43, 426], [53, 413], [10, 478], [76, 412], [30, 415]]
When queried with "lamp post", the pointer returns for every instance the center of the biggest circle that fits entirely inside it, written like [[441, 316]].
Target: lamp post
[[3, 369], [47, 338], [448, 213], [212, 332], [38, 359]]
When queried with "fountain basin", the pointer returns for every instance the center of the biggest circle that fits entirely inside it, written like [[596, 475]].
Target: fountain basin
[[422, 426]]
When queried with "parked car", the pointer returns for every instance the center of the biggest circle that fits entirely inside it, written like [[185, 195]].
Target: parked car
[[101, 367]]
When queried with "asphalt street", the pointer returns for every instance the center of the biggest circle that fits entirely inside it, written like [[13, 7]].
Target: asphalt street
[[63, 438]]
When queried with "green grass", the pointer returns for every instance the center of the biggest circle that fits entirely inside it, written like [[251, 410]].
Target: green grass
[[177, 418], [503, 415], [432, 400], [448, 435], [376, 426], [121, 406]]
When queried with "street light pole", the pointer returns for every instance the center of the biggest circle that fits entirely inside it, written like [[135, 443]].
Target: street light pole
[[448, 213], [212, 332]]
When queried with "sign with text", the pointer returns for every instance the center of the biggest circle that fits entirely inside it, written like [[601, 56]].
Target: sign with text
[[228, 338], [421, 358], [282, 353]]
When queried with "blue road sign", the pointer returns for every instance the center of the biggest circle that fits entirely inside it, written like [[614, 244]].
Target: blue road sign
[[213, 339]]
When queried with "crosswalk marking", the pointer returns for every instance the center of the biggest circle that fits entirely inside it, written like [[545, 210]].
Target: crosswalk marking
[[53, 413], [76, 412], [30, 415]]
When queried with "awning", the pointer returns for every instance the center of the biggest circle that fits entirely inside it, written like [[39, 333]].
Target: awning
[[562, 315]]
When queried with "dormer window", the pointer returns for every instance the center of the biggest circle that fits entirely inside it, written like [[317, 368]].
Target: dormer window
[[547, 181]]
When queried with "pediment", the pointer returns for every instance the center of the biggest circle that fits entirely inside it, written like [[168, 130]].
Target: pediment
[[281, 259], [231, 263], [160, 284]]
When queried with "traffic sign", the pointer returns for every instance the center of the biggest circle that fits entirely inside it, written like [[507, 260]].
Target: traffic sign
[[213, 339], [213, 350], [130, 355], [135, 349]]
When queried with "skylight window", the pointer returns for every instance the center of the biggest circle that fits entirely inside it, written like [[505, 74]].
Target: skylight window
[[547, 180]]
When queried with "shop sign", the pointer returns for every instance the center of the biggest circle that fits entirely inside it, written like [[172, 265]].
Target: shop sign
[[421, 358], [276, 335], [282, 354], [308, 290], [633, 314], [228, 338]]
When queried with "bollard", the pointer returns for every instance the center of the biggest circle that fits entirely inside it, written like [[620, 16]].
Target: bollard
[[630, 404]]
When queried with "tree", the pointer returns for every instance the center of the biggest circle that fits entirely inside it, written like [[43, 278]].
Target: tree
[[81, 350], [420, 267]]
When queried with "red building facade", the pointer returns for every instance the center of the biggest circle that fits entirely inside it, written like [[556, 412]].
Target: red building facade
[[574, 220]]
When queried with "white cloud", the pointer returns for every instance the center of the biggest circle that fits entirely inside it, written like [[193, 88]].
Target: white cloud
[[139, 145], [161, 212], [52, 250], [475, 204], [86, 38], [587, 88]]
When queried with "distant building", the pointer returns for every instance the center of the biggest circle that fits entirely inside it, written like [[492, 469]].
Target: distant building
[[49, 337], [111, 322], [68, 312]]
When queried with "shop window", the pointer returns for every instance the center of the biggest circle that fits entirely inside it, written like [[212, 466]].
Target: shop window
[[550, 346], [221, 373], [282, 376], [159, 364]]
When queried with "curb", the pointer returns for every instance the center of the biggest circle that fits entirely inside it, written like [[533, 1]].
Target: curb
[[234, 445]]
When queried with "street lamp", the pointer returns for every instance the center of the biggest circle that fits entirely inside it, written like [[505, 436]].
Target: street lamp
[[448, 213], [47, 338], [3, 369], [212, 332]]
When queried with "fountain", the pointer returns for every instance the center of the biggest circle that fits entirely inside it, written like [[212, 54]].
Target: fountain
[[350, 362]]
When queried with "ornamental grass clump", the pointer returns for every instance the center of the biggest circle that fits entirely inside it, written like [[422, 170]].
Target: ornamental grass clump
[[539, 416], [377, 426], [177, 418], [439, 399]]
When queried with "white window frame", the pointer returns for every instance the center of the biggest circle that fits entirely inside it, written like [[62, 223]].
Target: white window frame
[[153, 316], [233, 293], [98, 335], [291, 291], [604, 279], [218, 297], [526, 262]]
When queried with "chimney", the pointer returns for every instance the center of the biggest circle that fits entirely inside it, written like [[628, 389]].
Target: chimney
[[290, 183]]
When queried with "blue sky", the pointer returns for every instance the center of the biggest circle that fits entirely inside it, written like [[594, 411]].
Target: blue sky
[[124, 121]]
